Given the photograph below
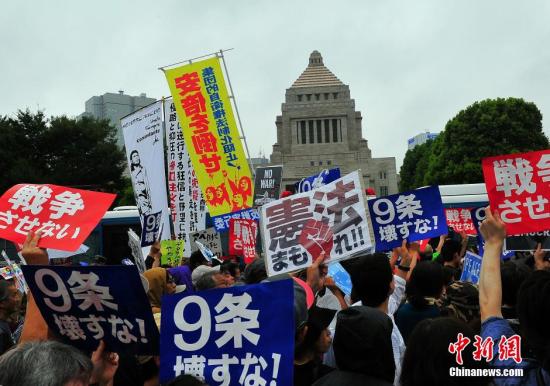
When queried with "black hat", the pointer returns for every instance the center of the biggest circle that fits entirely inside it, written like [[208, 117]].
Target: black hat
[[362, 342]]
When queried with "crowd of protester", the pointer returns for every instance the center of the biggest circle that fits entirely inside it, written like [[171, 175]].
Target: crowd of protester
[[398, 326]]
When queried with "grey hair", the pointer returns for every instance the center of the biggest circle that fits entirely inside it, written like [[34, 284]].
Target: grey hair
[[45, 363], [206, 281]]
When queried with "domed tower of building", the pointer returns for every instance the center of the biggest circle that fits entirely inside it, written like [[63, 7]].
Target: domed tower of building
[[319, 128]]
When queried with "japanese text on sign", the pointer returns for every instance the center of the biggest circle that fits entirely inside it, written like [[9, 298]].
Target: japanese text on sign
[[225, 336], [460, 219], [221, 223], [187, 204], [242, 238], [413, 215], [209, 238], [205, 113], [87, 304], [65, 216], [518, 185], [331, 218]]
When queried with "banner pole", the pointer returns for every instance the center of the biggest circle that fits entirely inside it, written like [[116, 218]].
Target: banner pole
[[232, 96], [192, 59]]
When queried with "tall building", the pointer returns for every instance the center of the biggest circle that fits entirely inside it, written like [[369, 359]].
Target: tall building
[[319, 128], [113, 107], [421, 139]]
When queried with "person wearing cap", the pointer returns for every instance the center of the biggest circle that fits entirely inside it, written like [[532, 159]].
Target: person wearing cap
[[308, 366], [10, 300], [202, 270], [363, 348]]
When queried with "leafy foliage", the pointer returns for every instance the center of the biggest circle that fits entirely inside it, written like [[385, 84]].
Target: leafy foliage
[[80, 153], [486, 128]]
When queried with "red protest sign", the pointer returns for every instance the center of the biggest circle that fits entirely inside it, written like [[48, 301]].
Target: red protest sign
[[242, 238], [460, 219], [518, 186], [65, 216]]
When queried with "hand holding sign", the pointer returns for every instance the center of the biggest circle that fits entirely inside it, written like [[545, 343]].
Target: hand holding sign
[[33, 254], [493, 228], [540, 263]]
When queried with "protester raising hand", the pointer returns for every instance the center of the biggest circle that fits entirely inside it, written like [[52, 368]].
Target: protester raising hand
[[33, 254], [540, 263], [493, 228], [493, 231], [35, 327]]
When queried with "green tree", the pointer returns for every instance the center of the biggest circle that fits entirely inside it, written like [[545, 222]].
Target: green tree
[[414, 166], [80, 153], [486, 128]]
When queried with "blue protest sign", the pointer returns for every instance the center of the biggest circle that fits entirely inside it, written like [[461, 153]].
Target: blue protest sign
[[241, 335], [341, 277], [84, 305], [221, 222], [317, 180], [413, 215], [150, 229], [478, 215], [471, 268]]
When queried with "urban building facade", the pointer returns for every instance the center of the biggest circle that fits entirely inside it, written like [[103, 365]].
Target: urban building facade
[[113, 107], [319, 128], [421, 139]]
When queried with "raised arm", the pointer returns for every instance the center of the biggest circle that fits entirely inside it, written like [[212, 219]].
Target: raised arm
[[493, 231], [35, 327]]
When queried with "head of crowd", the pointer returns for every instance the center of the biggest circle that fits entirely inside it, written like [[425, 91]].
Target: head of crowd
[[403, 323]]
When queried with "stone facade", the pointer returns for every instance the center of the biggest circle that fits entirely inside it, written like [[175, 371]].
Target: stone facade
[[319, 128]]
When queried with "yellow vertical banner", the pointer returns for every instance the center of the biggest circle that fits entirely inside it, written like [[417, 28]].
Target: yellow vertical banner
[[211, 135]]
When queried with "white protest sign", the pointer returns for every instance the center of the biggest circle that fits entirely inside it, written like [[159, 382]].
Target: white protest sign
[[143, 138], [331, 218], [187, 204]]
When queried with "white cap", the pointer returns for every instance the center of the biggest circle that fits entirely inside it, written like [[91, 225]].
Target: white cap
[[202, 270]]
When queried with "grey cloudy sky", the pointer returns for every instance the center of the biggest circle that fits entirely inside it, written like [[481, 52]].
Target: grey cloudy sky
[[411, 65]]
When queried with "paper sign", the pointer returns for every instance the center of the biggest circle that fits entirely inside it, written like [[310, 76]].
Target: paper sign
[[242, 238], [209, 238], [524, 242], [267, 184], [341, 277], [172, 252], [413, 215], [66, 216], [518, 185], [221, 223], [144, 142], [332, 218], [187, 203], [460, 219], [84, 305], [137, 252], [57, 254], [317, 180], [210, 130], [471, 268], [242, 335]]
